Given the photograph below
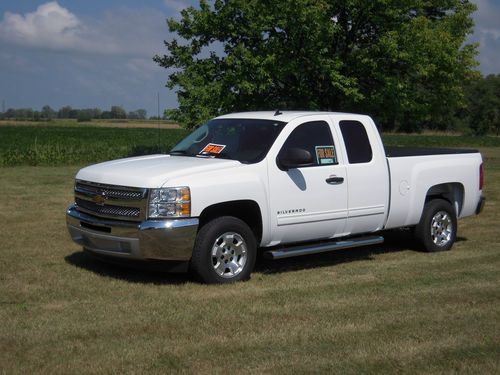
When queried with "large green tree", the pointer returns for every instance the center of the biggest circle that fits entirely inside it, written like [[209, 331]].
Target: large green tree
[[402, 61], [482, 113]]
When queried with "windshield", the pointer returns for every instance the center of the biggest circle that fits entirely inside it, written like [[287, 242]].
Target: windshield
[[245, 140]]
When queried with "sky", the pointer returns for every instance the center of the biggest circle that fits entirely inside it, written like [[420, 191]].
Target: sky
[[96, 53]]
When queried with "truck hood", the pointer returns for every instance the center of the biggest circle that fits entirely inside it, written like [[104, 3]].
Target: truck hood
[[150, 171]]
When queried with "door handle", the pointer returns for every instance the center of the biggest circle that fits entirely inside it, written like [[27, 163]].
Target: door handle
[[334, 180]]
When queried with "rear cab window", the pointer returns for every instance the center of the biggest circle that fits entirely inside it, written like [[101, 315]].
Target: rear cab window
[[356, 142]]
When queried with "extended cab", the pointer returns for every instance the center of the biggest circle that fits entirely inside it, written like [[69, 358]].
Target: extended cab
[[285, 183]]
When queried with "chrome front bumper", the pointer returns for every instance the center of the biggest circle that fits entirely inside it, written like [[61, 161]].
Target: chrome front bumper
[[151, 239]]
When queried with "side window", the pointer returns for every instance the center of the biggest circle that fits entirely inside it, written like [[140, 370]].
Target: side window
[[316, 138], [356, 142]]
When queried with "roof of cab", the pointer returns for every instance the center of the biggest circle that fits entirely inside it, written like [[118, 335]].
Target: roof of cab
[[285, 116]]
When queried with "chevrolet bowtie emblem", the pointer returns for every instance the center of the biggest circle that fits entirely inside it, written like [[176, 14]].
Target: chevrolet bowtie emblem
[[100, 199]]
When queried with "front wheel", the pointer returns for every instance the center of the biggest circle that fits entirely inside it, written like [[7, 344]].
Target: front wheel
[[437, 229], [224, 251]]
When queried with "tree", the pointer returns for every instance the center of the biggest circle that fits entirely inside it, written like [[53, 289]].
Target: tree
[[47, 112], [132, 115], [87, 114], [94, 112], [106, 115], [118, 112], [10, 113], [64, 112], [140, 114], [73, 113], [24, 114], [403, 62], [483, 105]]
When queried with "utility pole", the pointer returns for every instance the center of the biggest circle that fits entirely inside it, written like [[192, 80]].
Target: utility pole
[[158, 101]]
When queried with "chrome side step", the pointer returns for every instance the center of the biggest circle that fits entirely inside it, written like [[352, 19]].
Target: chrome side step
[[322, 247]]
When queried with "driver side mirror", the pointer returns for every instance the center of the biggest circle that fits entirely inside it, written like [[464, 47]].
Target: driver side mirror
[[294, 158]]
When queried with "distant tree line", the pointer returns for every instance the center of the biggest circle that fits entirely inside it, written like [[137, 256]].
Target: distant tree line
[[481, 113], [67, 112]]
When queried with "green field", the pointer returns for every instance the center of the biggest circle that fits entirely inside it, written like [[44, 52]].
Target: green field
[[71, 143], [80, 144], [382, 309]]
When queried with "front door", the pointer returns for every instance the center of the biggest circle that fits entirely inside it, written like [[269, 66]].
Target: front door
[[309, 202]]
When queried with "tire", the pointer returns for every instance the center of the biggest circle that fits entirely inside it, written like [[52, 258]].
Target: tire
[[437, 229], [224, 251]]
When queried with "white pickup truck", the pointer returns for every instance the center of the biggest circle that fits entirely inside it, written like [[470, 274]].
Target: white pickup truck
[[284, 183]]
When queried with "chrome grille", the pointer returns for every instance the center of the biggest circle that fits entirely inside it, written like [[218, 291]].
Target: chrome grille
[[109, 191], [108, 210], [110, 201]]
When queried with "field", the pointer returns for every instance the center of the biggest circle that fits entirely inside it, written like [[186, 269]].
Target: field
[[70, 143], [110, 123], [382, 309], [80, 144]]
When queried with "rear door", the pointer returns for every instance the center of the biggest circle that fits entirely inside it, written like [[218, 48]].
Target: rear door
[[308, 202]]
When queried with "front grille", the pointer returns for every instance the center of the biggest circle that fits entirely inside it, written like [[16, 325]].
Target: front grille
[[108, 210], [116, 193], [110, 201]]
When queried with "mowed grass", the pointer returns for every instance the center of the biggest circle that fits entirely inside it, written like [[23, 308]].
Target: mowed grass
[[383, 309]]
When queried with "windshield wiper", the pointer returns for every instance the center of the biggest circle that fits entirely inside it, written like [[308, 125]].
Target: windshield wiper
[[209, 154], [178, 152]]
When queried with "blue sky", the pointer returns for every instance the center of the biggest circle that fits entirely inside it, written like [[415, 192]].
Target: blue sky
[[99, 53]]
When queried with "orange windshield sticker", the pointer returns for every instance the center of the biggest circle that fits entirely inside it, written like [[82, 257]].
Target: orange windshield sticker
[[212, 148]]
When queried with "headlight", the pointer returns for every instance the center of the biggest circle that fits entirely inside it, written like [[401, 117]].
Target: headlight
[[169, 202]]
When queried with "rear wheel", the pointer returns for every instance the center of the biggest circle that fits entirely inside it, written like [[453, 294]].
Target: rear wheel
[[224, 251], [437, 229]]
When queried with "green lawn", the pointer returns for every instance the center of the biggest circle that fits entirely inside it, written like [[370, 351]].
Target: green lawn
[[383, 309]]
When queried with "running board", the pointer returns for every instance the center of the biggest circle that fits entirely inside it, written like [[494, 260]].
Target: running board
[[296, 251]]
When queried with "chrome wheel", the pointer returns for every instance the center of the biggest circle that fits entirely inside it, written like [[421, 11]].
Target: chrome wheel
[[229, 254], [441, 228]]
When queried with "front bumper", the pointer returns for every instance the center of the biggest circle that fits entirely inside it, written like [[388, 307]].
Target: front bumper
[[171, 239]]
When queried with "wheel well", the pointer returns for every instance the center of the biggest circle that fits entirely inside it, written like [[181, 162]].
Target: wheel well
[[245, 210], [452, 192]]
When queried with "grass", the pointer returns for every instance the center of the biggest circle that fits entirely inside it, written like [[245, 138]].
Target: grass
[[383, 309]]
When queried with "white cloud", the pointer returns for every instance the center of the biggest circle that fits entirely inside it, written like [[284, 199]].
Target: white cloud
[[130, 32], [50, 26]]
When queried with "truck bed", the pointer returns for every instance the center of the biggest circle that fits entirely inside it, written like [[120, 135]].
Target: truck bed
[[414, 171], [400, 152]]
